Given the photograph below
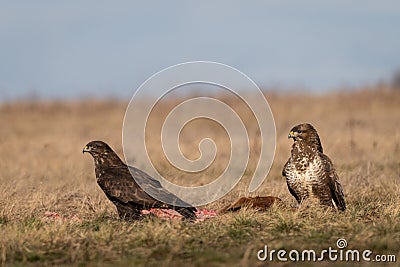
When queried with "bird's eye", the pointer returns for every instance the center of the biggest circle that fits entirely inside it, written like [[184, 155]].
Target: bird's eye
[[299, 131]]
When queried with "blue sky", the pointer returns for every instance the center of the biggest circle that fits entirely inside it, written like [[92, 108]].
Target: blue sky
[[77, 49]]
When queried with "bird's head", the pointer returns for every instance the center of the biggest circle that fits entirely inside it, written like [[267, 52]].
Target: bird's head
[[305, 132], [97, 148], [102, 153]]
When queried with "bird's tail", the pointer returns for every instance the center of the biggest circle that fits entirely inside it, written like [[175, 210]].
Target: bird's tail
[[188, 213]]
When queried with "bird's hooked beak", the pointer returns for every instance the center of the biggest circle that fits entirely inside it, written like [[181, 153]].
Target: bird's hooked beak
[[292, 135], [86, 149]]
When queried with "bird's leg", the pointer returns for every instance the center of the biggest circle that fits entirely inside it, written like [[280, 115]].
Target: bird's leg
[[128, 213]]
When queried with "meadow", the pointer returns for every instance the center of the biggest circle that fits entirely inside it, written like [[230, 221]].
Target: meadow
[[43, 171]]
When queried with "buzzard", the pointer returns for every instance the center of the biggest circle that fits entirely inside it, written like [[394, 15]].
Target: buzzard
[[309, 172], [115, 178]]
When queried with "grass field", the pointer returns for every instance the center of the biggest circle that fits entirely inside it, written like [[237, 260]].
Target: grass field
[[42, 169]]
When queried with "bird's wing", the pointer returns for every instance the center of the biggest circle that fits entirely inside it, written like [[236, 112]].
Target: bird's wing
[[334, 184], [123, 186], [285, 173], [118, 183], [284, 170], [154, 188], [144, 177]]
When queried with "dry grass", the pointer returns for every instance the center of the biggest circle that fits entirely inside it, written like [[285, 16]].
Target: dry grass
[[42, 169]]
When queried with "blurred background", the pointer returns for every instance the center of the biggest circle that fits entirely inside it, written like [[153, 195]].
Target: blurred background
[[75, 49], [69, 68]]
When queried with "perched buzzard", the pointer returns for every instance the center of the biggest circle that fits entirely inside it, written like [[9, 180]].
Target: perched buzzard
[[115, 179], [309, 172]]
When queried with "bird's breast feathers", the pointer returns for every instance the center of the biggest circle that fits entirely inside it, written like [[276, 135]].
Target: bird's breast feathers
[[306, 177], [304, 169]]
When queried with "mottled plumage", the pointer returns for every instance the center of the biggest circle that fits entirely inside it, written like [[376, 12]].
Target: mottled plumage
[[115, 179], [309, 172]]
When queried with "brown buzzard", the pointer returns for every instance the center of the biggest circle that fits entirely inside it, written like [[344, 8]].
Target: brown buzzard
[[309, 172], [115, 179]]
